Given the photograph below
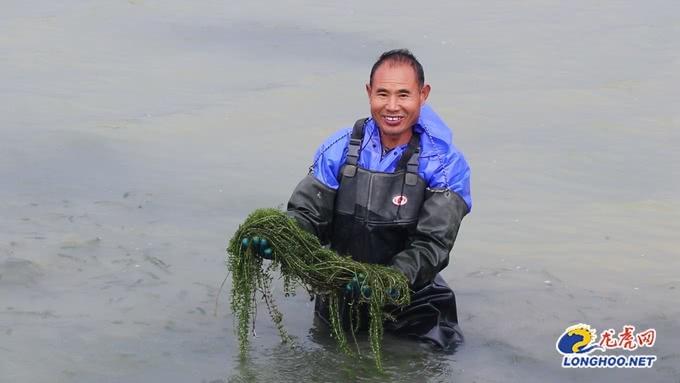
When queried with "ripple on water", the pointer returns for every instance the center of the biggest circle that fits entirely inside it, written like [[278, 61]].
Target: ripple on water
[[19, 272], [316, 359]]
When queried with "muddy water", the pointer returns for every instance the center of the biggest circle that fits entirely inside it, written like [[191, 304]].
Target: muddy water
[[136, 135]]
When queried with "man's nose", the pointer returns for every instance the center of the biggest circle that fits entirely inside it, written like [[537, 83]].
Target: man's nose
[[392, 103]]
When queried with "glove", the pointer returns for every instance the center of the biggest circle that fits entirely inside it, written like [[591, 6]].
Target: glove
[[260, 247], [357, 288]]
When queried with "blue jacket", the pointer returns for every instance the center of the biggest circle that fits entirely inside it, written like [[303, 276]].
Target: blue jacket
[[442, 165]]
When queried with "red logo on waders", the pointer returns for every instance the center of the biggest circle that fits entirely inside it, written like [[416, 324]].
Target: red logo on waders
[[399, 200]]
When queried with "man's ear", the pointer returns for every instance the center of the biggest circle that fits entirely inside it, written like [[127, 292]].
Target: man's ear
[[368, 91], [424, 92]]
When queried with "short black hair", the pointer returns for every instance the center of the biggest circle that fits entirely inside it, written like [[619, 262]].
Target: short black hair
[[400, 56]]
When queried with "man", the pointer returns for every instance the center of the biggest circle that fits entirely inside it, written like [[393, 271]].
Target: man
[[393, 190]]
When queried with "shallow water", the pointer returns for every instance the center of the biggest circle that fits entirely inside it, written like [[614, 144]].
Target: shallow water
[[137, 134]]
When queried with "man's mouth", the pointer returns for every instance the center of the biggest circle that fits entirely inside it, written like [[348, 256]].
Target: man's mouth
[[393, 120]]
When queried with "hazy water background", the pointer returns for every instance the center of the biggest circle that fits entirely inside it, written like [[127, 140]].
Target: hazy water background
[[136, 135]]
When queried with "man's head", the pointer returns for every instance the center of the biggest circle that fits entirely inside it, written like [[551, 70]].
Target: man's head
[[396, 91]]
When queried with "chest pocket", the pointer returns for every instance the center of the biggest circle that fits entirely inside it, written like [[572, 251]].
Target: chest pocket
[[380, 198]]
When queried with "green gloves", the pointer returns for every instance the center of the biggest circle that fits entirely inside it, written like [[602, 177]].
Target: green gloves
[[357, 288], [393, 293], [260, 246]]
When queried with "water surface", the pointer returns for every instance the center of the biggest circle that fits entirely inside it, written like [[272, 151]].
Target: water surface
[[137, 135]]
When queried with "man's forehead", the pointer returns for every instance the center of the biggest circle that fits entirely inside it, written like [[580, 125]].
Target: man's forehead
[[394, 73]]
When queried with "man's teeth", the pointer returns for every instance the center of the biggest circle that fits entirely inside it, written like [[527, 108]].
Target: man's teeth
[[390, 118]]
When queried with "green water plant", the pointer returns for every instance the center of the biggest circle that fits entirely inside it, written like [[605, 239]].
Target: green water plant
[[300, 260]]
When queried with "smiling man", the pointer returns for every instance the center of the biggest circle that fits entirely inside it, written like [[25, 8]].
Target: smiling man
[[393, 190], [396, 91]]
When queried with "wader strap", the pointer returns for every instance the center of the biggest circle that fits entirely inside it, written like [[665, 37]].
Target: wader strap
[[350, 168], [409, 160]]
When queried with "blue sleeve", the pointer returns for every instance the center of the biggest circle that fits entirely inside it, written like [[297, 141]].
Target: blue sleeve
[[447, 168], [330, 157], [454, 174]]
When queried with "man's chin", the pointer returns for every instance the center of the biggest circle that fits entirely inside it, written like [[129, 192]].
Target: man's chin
[[395, 136], [394, 130]]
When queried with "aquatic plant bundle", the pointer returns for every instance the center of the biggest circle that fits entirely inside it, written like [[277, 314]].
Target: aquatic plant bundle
[[301, 260]]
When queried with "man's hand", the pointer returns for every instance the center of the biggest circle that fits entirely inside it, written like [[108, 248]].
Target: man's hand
[[357, 288], [260, 247]]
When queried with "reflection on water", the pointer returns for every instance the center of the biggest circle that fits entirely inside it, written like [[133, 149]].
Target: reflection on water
[[137, 135]]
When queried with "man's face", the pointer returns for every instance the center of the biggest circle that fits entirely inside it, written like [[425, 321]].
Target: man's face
[[396, 97]]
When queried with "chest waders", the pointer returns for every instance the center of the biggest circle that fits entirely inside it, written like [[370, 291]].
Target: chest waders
[[374, 215]]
